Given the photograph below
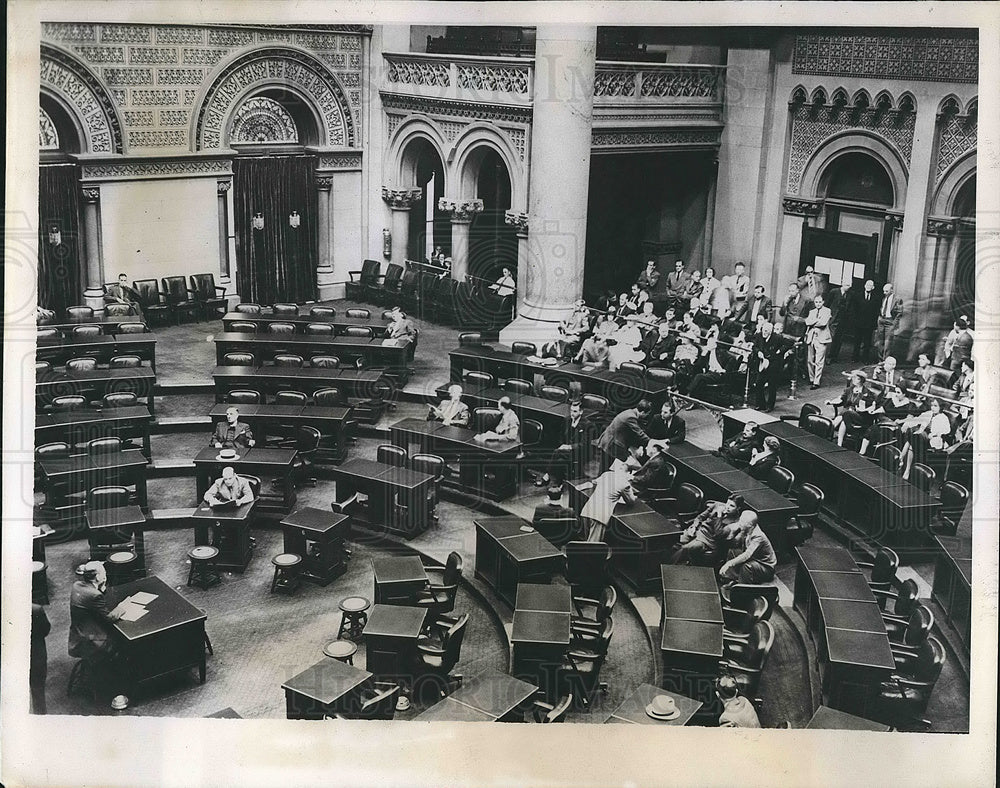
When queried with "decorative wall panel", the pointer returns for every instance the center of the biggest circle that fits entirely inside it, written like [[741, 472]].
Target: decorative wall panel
[[48, 136], [956, 136], [61, 73]]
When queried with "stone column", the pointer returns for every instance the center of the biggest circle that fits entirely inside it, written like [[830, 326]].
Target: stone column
[[400, 201], [519, 221], [324, 268], [462, 214], [561, 120], [93, 295], [708, 237], [222, 189]]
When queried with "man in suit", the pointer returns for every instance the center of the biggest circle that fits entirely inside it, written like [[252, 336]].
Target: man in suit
[[812, 284], [121, 293], [552, 508], [759, 305], [818, 336], [573, 449], [793, 312], [738, 284], [751, 555], [649, 277], [625, 432], [612, 487], [865, 317], [677, 285], [700, 541], [842, 307], [887, 374], [766, 365], [451, 411], [762, 461], [653, 473], [738, 451], [958, 344], [232, 433], [659, 345], [90, 616], [890, 313], [666, 426]]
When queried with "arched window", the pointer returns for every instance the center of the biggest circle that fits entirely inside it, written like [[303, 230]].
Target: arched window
[[430, 228], [857, 177]]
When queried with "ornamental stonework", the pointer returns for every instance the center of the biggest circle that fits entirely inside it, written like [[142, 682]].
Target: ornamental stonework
[[179, 76], [101, 55], [229, 38], [126, 34], [63, 74], [189, 97], [154, 98], [180, 35], [956, 137], [128, 76], [497, 79], [640, 138], [69, 31], [174, 117], [157, 139], [517, 138], [142, 169], [138, 117], [496, 113], [48, 135], [152, 55], [201, 57]]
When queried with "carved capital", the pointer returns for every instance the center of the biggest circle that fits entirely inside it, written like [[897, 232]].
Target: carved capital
[[896, 220], [91, 194], [940, 226], [401, 199], [800, 207], [325, 183], [461, 211], [222, 187], [517, 220]]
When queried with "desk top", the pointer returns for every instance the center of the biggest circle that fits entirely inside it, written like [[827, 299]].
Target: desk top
[[826, 718], [299, 373], [530, 547], [958, 550], [544, 598], [633, 708], [204, 511], [316, 521], [254, 456], [856, 614], [826, 559], [706, 464], [305, 340], [534, 626], [460, 435], [371, 470], [398, 569], [691, 637], [399, 621], [82, 463], [99, 375], [284, 411], [906, 496], [767, 501], [845, 460], [784, 429], [450, 710], [303, 320], [736, 481], [866, 649], [494, 693], [875, 477], [327, 681], [503, 527], [682, 451], [812, 443], [841, 585], [69, 418], [648, 524], [168, 611], [688, 578], [118, 517], [746, 415], [692, 606]]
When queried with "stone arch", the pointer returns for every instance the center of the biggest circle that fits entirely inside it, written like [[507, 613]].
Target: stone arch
[[950, 105], [855, 141], [465, 155], [77, 90], [403, 168], [273, 68], [954, 178]]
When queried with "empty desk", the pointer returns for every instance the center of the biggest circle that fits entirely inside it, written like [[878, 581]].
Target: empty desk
[[539, 640], [690, 621], [118, 525], [633, 708], [953, 583], [354, 383], [231, 533], [326, 688], [641, 540], [826, 718], [449, 710], [492, 696], [139, 381], [319, 537], [83, 472], [509, 551], [399, 499], [391, 640], [80, 426], [58, 350], [392, 355], [399, 579]]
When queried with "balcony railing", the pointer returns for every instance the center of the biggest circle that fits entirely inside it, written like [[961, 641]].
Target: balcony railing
[[647, 83], [485, 79]]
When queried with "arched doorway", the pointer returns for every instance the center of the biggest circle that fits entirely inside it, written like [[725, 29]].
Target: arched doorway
[[430, 228], [492, 242], [963, 290]]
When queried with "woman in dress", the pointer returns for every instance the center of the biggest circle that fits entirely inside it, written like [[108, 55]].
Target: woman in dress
[[857, 406], [937, 428]]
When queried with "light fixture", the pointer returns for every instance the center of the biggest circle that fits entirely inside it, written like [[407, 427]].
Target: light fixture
[[294, 220], [258, 221], [55, 237]]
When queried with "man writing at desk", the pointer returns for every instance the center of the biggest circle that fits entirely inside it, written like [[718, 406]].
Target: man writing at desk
[[451, 411], [230, 488], [232, 433], [90, 616]]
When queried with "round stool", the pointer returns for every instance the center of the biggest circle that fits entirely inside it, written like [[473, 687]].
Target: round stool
[[203, 572], [354, 618], [343, 650], [121, 567], [286, 572], [39, 583]]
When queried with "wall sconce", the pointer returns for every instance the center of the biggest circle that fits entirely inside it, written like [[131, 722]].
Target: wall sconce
[[386, 244], [258, 221], [55, 237], [294, 220]]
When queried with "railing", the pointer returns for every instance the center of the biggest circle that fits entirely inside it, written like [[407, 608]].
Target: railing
[[651, 83]]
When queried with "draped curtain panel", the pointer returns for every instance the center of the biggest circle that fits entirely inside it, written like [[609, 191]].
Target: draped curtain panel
[[60, 266], [278, 262]]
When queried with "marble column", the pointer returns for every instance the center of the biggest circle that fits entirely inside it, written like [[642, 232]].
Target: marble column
[[324, 268], [222, 189], [519, 221], [400, 201], [708, 237], [93, 295], [461, 213], [561, 121]]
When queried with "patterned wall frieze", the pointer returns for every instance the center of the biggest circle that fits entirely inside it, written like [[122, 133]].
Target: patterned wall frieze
[[943, 227], [458, 109], [48, 135], [63, 74], [261, 119], [153, 98], [799, 207], [201, 57], [138, 117], [934, 58], [128, 76], [638, 138], [152, 55], [407, 71], [157, 139], [336, 59], [179, 76], [120, 96], [190, 94], [812, 126], [492, 77], [615, 83], [517, 138], [230, 38], [180, 35], [101, 55], [174, 117], [348, 160], [69, 31], [126, 34], [957, 135], [149, 168]]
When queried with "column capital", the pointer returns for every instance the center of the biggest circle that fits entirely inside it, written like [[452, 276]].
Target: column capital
[[401, 199], [460, 210], [800, 207], [941, 226], [896, 220], [222, 187], [517, 220], [91, 194], [324, 183]]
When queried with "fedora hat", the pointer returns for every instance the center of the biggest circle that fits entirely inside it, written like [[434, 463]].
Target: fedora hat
[[663, 707]]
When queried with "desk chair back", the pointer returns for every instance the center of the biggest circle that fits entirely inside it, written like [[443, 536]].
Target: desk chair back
[[819, 425], [87, 330], [243, 327], [250, 309], [780, 479], [104, 446], [320, 329], [285, 309], [323, 311], [81, 364], [69, 402], [244, 397], [79, 314], [329, 397], [239, 359], [517, 386], [485, 419], [109, 497], [119, 399], [281, 328], [587, 566], [391, 455]]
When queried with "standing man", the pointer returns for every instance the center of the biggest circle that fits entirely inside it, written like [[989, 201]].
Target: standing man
[[812, 284], [890, 312], [793, 312], [766, 364], [866, 317], [842, 307], [90, 617], [958, 344], [38, 665], [625, 432], [738, 284], [677, 285], [121, 293], [649, 277], [232, 433], [758, 306], [572, 451], [817, 338]]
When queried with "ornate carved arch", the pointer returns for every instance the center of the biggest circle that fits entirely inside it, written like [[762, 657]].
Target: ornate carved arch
[[76, 87], [951, 183], [856, 141], [278, 67], [479, 135], [414, 127]]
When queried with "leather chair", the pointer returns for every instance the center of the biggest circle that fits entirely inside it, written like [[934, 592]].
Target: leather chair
[[178, 298], [906, 639], [517, 386], [79, 314], [819, 426], [42, 367], [439, 598], [107, 497], [244, 397], [745, 658], [922, 477], [554, 393], [289, 360], [595, 402], [104, 446], [209, 297], [904, 698], [281, 328], [125, 362], [580, 677], [887, 458], [780, 479], [87, 331], [408, 294], [883, 568], [288, 310], [591, 611], [324, 361], [81, 364], [359, 313], [391, 455], [587, 568], [485, 419], [543, 712], [904, 603], [320, 329], [803, 523], [327, 312], [633, 368], [118, 310], [560, 530], [243, 327], [132, 328], [686, 504], [48, 333], [954, 498], [807, 410], [288, 397], [329, 397], [882, 435], [364, 332], [739, 621], [436, 660], [388, 290], [484, 379], [524, 348], [426, 285], [119, 399], [434, 465], [239, 359], [307, 440], [250, 309], [69, 402], [593, 642], [470, 339], [367, 277], [661, 375]]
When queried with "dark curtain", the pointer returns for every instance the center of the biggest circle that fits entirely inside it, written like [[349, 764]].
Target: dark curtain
[[59, 266], [277, 263]]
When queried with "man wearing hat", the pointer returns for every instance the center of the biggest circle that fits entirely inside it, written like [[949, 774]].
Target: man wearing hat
[[701, 540], [751, 555], [738, 711], [232, 433], [90, 615]]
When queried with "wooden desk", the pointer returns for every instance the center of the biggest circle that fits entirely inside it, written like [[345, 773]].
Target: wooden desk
[[169, 638], [953, 584], [544, 598], [80, 426], [494, 694], [633, 708], [266, 463], [540, 634], [399, 579], [263, 418], [826, 718], [82, 472], [691, 627], [106, 527], [449, 710], [486, 469], [641, 540], [300, 322], [399, 499], [393, 357], [353, 383], [231, 534], [391, 640], [54, 383], [326, 688], [319, 537], [58, 350], [509, 551]]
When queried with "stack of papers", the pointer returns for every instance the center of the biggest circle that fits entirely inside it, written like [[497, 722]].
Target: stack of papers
[[132, 608]]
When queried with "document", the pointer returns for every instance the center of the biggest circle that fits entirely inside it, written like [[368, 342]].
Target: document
[[130, 611], [142, 597]]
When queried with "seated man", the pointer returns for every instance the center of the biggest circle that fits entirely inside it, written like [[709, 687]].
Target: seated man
[[751, 556], [90, 617], [121, 293], [719, 366], [573, 330], [507, 429], [739, 450], [738, 711], [652, 474], [700, 541], [658, 346], [505, 285], [666, 426], [573, 451], [761, 462], [232, 433], [229, 488], [593, 351], [552, 508], [400, 327], [610, 488], [451, 411]]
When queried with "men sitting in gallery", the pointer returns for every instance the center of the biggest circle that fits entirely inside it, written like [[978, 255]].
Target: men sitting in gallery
[[232, 433], [659, 345], [751, 557], [701, 541], [451, 411]]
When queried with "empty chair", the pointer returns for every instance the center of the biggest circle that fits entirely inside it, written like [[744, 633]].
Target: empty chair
[[470, 339], [434, 465], [439, 597], [922, 477], [632, 366], [307, 440], [48, 333], [887, 458], [484, 379], [327, 312], [554, 393], [320, 329], [883, 568], [954, 497], [53, 450], [780, 479], [87, 331], [365, 332], [524, 348], [745, 658], [104, 446], [108, 497], [81, 364], [803, 523], [807, 410], [408, 292], [79, 314], [357, 313], [244, 397], [595, 642], [243, 327], [904, 603], [178, 297], [281, 328], [881, 435], [250, 309], [551, 712], [904, 697], [391, 455], [661, 375], [587, 566], [361, 280], [42, 367], [209, 297], [329, 397], [132, 328], [290, 398], [592, 611], [285, 309], [517, 386], [687, 503], [125, 362], [485, 419], [388, 290], [239, 359], [918, 627], [119, 399], [580, 676], [595, 402], [437, 660], [739, 620], [820, 426], [69, 402], [288, 360]]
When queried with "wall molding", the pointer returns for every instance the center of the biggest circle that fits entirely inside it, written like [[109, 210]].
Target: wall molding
[[457, 109], [102, 169]]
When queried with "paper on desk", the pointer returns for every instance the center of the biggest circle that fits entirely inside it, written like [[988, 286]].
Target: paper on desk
[[585, 486], [527, 529], [142, 597], [129, 611]]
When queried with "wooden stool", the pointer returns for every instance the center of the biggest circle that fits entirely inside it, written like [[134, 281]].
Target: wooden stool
[[286, 572], [354, 618], [39, 583], [203, 572], [343, 650], [122, 567]]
